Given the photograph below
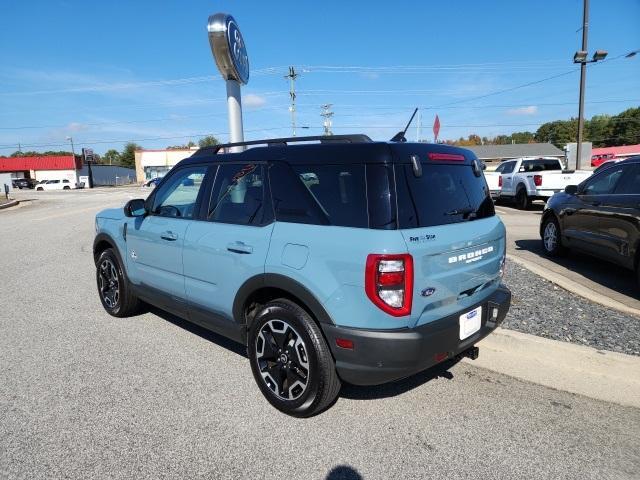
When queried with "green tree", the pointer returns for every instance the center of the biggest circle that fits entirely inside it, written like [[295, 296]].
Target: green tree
[[559, 132], [523, 137], [186, 146], [208, 141], [128, 155], [625, 128], [598, 130], [111, 156]]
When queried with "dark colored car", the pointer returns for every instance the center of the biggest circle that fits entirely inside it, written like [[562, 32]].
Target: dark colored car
[[21, 183], [600, 217]]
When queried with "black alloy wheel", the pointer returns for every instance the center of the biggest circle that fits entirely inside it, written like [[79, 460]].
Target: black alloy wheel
[[290, 360], [114, 290]]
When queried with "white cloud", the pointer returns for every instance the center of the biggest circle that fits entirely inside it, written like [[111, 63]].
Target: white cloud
[[530, 110], [370, 75], [252, 100]]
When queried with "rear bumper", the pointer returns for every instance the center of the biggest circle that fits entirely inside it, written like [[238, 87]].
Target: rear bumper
[[381, 356], [495, 194]]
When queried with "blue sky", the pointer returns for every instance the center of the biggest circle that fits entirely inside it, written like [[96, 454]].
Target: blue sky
[[109, 72]]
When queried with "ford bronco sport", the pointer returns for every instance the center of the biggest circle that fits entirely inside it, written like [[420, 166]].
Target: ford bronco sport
[[333, 259]]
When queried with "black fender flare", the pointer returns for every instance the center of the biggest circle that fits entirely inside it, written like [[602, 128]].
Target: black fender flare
[[282, 282], [103, 237]]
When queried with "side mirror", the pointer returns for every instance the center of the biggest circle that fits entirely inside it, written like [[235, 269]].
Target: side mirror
[[571, 189], [135, 208]]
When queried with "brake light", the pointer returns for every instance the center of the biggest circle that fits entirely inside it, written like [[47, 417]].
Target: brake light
[[451, 157], [500, 181], [537, 179], [389, 282]]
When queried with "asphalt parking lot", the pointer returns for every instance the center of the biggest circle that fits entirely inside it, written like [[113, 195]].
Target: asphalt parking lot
[[86, 395]]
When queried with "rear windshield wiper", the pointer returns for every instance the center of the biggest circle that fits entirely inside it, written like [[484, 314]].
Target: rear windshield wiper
[[466, 212]]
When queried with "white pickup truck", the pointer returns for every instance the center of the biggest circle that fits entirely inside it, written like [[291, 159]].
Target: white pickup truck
[[531, 178]]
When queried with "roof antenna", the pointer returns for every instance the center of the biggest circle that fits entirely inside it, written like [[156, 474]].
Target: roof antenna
[[399, 137]]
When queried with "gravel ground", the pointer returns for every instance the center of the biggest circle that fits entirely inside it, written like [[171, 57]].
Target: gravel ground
[[542, 308]]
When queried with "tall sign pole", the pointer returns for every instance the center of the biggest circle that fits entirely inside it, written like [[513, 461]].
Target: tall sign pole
[[230, 54], [583, 73]]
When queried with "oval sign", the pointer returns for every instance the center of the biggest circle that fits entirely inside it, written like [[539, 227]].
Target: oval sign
[[238, 50], [228, 47]]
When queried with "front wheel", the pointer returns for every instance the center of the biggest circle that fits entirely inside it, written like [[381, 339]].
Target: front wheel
[[113, 287], [551, 237], [291, 361]]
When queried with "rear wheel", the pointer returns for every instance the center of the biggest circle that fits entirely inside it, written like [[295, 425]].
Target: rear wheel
[[291, 361], [39, 188], [66, 188], [551, 237], [113, 287], [523, 202]]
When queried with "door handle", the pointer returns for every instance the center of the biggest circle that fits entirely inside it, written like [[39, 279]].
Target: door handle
[[169, 236], [239, 247]]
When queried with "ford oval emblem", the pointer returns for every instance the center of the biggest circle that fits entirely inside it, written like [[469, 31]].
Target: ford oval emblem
[[427, 292]]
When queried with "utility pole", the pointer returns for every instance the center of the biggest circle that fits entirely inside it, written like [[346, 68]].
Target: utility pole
[[583, 72], [292, 93], [327, 114], [418, 125]]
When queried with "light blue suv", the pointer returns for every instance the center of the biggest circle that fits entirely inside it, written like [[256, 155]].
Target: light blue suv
[[331, 258]]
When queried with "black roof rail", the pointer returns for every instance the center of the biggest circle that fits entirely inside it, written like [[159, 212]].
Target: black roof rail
[[272, 142]]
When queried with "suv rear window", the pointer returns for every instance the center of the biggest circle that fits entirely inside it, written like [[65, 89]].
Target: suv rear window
[[444, 194]]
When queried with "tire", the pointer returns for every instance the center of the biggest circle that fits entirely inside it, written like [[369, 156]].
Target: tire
[[551, 237], [66, 188], [523, 202], [39, 189], [281, 336], [113, 287]]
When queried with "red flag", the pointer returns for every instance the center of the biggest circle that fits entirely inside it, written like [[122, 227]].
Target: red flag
[[436, 129]]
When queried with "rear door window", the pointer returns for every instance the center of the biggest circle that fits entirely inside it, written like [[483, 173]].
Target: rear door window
[[339, 191], [444, 194]]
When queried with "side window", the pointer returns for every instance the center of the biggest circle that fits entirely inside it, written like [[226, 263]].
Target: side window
[[292, 201], [65, 181], [339, 190], [630, 182], [238, 195], [179, 195], [603, 183], [508, 167]]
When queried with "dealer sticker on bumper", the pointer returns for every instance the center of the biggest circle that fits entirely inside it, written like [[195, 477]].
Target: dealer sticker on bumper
[[470, 322]]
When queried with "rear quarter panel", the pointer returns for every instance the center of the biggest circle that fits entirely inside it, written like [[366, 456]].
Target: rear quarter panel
[[330, 262]]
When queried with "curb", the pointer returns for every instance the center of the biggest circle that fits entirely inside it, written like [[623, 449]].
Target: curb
[[608, 376], [574, 287], [12, 203]]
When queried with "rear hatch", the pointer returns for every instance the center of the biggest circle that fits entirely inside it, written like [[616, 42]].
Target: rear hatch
[[448, 222]]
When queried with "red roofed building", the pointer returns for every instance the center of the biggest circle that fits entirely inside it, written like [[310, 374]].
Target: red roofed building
[[49, 167], [601, 155]]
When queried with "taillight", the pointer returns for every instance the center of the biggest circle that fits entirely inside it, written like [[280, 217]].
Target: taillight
[[389, 282], [500, 181], [537, 179]]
